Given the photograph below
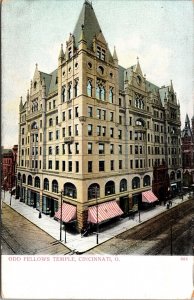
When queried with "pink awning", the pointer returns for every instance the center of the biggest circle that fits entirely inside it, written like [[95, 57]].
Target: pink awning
[[104, 211], [68, 213], [149, 197]]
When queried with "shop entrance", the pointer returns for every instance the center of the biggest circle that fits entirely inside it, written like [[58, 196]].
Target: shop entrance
[[124, 205]]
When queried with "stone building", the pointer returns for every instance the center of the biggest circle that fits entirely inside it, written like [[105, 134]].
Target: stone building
[[8, 168], [92, 131], [187, 140]]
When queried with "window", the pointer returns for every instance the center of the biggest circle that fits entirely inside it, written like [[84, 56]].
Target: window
[[63, 148], [101, 148], [70, 190], [131, 164], [111, 148], [101, 165], [70, 91], [135, 183], [76, 148], [109, 188], [63, 95], [111, 132], [50, 136], [120, 119], [63, 131], [103, 131], [120, 149], [89, 88], [89, 166], [100, 53], [69, 166], [90, 112], [93, 191], [146, 180], [63, 115], [112, 165], [46, 184], [98, 113], [130, 121], [76, 88], [136, 163], [37, 182], [69, 148], [50, 122], [120, 102], [69, 53], [89, 129], [111, 116], [70, 114], [54, 103], [130, 135], [120, 134], [77, 166], [57, 150], [56, 165], [98, 130], [69, 130], [76, 130], [57, 134], [76, 112], [123, 185], [111, 95], [89, 148], [120, 164], [50, 164], [103, 114], [100, 92], [63, 165], [54, 186]]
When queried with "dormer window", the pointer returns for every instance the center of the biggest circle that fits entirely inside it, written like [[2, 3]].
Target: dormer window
[[100, 53], [70, 52], [35, 85]]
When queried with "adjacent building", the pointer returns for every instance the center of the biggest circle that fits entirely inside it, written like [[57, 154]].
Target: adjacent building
[[93, 132], [187, 139], [8, 169]]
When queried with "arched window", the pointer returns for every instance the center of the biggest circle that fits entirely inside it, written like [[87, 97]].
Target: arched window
[[140, 122], [46, 184], [89, 89], [24, 178], [19, 176], [37, 182], [63, 94], [178, 174], [135, 183], [103, 93], [111, 95], [109, 188], [70, 190], [76, 88], [93, 191], [98, 92], [146, 180], [123, 185], [34, 125], [54, 186], [70, 91], [172, 175], [29, 180]]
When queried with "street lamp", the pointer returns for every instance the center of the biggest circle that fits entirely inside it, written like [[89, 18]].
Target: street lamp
[[97, 223], [61, 221]]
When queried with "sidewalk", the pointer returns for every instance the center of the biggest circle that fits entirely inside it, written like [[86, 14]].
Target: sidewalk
[[74, 241]]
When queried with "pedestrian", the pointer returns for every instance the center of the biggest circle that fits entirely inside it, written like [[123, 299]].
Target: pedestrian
[[167, 205]]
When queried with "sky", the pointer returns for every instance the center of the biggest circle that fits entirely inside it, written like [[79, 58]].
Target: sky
[[160, 33]]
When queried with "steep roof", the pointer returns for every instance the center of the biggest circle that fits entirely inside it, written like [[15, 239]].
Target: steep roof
[[47, 78], [121, 78], [87, 18], [50, 81]]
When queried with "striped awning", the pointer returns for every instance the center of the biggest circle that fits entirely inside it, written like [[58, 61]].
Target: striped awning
[[149, 197], [68, 213], [104, 211]]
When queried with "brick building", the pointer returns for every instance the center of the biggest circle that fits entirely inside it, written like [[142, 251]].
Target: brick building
[[93, 130], [8, 170], [187, 140]]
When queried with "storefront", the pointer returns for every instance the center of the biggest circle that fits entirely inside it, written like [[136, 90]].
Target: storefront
[[23, 194], [49, 205], [136, 202], [149, 200], [124, 204], [33, 199]]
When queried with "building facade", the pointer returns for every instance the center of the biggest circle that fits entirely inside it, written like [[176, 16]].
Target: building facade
[[187, 139], [92, 131], [8, 170]]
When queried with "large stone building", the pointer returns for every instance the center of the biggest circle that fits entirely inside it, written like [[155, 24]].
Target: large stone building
[[8, 168], [92, 131], [187, 140]]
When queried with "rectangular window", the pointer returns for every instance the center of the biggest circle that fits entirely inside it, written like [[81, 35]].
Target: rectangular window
[[120, 119], [131, 164], [63, 131], [131, 149], [40, 123], [101, 148], [69, 166], [130, 135], [63, 115], [50, 164], [136, 163], [56, 165], [41, 137], [112, 132], [63, 165], [63, 148], [69, 114], [103, 131], [70, 149], [111, 116], [103, 114], [89, 129], [76, 148], [57, 120], [130, 121], [120, 149], [89, 166], [50, 136], [98, 113], [57, 134], [120, 134], [76, 112], [136, 149], [101, 165], [120, 164], [98, 130], [76, 130], [77, 166], [112, 165], [54, 103], [90, 112], [69, 130], [111, 148], [89, 148]]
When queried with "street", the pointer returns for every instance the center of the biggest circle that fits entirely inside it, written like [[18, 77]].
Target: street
[[20, 236]]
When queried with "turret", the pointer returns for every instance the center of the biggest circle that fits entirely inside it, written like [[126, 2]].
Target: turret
[[21, 104], [61, 54], [115, 57]]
